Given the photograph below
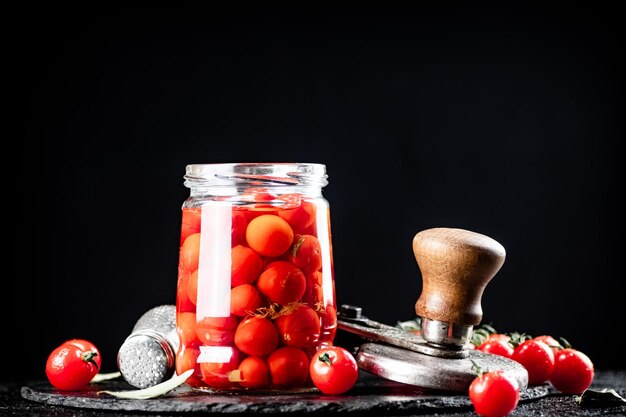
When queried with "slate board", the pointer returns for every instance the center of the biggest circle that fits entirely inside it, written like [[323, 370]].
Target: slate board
[[371, 394]]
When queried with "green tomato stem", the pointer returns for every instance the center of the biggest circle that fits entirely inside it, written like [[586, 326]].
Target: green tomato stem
[[477, 369], [296, 246], [324, 357], [88, 357]]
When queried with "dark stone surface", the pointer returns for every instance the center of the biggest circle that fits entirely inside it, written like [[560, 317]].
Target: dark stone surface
[[371, 396]]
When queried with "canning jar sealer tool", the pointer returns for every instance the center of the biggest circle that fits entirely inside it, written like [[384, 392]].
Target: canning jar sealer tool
[[456, 265]]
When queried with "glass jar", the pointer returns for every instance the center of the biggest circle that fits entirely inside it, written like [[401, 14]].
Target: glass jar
[[255, 294]]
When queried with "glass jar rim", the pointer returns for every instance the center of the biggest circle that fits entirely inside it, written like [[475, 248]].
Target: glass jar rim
[[256, 173]]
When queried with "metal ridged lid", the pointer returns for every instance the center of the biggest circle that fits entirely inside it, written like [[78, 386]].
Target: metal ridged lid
[[145, 360]]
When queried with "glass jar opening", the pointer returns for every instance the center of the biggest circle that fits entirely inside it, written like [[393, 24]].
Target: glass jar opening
[[257, 174]]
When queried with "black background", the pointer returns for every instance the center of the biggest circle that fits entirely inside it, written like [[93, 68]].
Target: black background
[[504, 120]]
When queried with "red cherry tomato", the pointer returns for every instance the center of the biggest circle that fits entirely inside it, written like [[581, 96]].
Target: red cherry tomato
[[246, 265], [189, 254], [550, 341], [216, 331], [254, 373], [333, 370], [537, 358], [311, 230], [306, 253], [282, 282], [244, 300], [86, 345], [289, 367], [498, 336], [497, 347], [191, 219], [258, 210], [269, 235], [256, 336], [186, 359], [192, 287], [494, 394], [314, 278], [238, 231], [301, 328], [187, 291], [573, 371], [482, 335], [314, 294], [72, 365], [299, 218], [215, 374], [186, 328]]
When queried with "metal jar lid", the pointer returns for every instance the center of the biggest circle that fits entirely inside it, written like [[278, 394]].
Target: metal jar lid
[[146, 359]]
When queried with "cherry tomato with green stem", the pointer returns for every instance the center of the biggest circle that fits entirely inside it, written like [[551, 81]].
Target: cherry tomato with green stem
[[498, 336], [282, 282], [333, 370], [538, 359], [497, 347], [72, 365], [300, 328], [549, 340], [306, 253], [86, 345], [494, 394]]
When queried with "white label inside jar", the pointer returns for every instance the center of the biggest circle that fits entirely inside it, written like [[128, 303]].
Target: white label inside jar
[[215, 354], [214, 267], [323, 235]]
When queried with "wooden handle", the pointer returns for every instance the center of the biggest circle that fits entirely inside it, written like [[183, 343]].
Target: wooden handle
[[456, 266]]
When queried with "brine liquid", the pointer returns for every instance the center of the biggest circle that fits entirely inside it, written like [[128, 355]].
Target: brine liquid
[[254, 279]]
